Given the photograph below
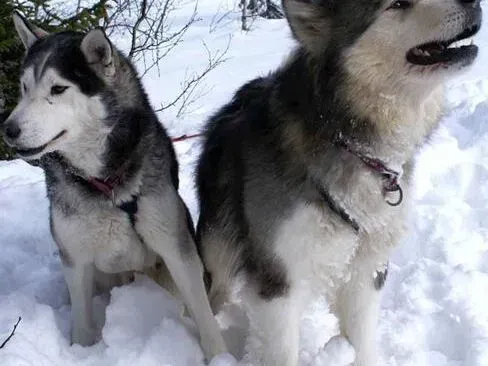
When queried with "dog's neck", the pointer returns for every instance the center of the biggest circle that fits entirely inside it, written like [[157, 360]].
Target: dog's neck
[[88, 156], [403, 116], [386, 125], [119, 186], [113, 155]]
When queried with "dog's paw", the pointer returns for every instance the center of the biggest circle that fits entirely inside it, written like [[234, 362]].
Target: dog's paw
[[367, 358], [84, 337], [213, 346], [337, 352], [225, 359]]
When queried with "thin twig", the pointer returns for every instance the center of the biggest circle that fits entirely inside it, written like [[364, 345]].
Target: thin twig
[[190, 84], [135, 28], [11, 334]]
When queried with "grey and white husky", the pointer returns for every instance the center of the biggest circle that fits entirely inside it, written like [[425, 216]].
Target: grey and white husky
[[305, 177], [111, 172]]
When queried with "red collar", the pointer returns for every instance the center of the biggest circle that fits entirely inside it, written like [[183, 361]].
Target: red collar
[[389, 175], [106, 186]]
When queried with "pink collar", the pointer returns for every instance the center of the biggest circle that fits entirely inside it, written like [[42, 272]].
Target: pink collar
[[389, 175]]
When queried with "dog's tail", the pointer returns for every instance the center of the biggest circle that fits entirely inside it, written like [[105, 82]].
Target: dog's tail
[[221, 260]]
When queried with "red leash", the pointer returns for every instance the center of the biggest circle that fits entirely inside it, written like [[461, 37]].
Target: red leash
[[107, 185], [186, 137]]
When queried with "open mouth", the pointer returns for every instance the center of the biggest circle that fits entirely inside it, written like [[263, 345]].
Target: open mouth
[[460, 48], [37, 150]]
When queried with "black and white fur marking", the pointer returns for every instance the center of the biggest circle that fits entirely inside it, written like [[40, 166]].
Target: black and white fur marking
[[287, 214], [85, 115]]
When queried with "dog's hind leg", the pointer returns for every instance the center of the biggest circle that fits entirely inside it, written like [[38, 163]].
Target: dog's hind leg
[[162, 223], [357, 305], [80, 280]]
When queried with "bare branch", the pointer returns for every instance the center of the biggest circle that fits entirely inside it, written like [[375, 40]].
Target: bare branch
[[187, 95], [148, 22], [135, 28], [78, 6], [11, 334], [251, 9], [218, 18], [244, 15]]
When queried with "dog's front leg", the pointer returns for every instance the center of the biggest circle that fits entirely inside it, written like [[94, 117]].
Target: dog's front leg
[[357, 305], [274, 330], [80, 280], [162, 223]]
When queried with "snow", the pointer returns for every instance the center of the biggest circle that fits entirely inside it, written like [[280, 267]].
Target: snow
[[434, 308]]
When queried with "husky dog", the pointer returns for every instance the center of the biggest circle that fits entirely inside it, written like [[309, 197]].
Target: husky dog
[[111, 172], [305, 177]]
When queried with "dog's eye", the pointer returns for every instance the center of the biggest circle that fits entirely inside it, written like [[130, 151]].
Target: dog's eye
[[58, 89], [401, 4]]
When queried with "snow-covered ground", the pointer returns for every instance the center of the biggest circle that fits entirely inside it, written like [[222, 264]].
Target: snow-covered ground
[[434, 309]]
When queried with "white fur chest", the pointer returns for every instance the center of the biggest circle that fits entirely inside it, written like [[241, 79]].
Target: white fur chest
[[362, 193], [316, 245], [101, 234]]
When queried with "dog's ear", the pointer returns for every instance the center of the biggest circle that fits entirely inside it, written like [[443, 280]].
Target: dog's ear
[[310, 21], [28, 32], [98, 51]]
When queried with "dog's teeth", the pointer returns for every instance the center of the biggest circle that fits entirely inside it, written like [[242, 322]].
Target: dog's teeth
[[461, 43], [420, 52]]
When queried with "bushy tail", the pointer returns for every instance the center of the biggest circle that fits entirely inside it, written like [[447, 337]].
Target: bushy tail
[[220, 259]]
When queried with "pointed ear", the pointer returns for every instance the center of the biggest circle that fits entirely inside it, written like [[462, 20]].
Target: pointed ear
[[310, 22], [98, 51], [97, 48], [28, 32]]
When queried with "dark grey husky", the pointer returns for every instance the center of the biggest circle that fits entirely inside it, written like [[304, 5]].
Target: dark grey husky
[[305, 177], [111, 172]]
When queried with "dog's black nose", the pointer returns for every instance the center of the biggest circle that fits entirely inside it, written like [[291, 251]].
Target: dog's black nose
[[473, 2], [12, 131]]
